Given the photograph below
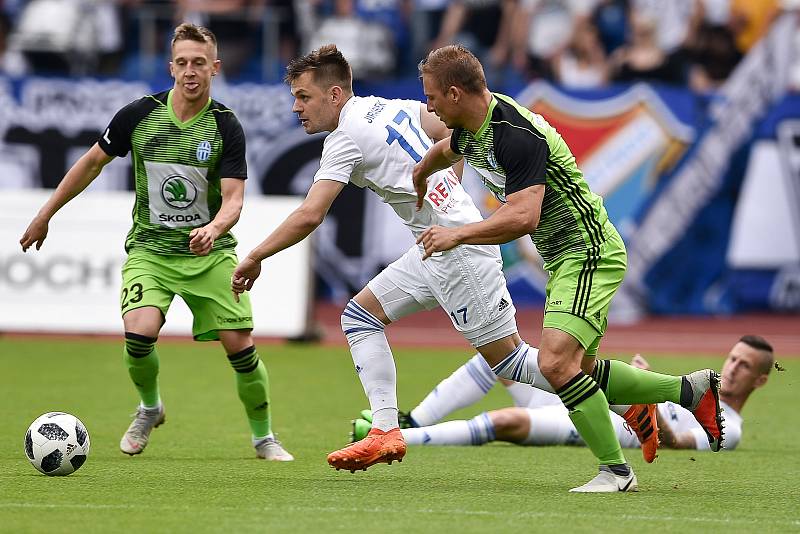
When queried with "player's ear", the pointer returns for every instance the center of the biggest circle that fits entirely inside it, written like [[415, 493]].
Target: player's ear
[[453, 93], [335, 94], [760, 381], [216, 66], [171, 69]]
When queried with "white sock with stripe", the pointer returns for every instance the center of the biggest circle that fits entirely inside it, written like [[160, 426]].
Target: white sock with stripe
[[476, 431], [467, 385], [522, 365], [374, 363]]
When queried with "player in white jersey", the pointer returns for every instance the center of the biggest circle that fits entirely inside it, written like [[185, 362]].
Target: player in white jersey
[[539, 418], [375, 143]]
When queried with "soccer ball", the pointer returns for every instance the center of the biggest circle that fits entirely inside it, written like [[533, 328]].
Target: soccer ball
[[57, 443]]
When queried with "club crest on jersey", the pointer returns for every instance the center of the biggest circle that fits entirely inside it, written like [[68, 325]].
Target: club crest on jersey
[[178, 192], [490, 159], [203, 150]]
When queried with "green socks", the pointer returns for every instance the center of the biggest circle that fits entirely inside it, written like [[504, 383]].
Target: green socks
[[588, 410], [625, 384], [252, 383], [141, 359]]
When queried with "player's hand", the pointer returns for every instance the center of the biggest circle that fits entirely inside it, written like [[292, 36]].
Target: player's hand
[[201, 240], [35, 233], [436, 239], [244, 276], [639, 361], [420, 178]]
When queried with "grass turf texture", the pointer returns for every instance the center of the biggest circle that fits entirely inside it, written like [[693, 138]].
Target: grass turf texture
[[200, 474]]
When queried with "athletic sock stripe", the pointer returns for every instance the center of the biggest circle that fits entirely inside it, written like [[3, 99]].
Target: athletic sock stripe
[[600, 373], [354, 311], [508, 360], [476, 375], [362, 329], [577, 383], [572, 403], [242, 353], [487, 421], [244, 361], [138, 346], [578, 389], [473, 432], [140, 338]]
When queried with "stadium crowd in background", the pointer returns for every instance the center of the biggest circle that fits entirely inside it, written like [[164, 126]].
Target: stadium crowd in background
[[575, 43]]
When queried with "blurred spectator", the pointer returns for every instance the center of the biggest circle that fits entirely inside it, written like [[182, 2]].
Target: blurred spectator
[[750, 19], [368, 46], [611, 19], [483, 26], [582, 64], [714, 56], [426, 20], [643, 59], [70, 37], [235, 23], [677, 21]]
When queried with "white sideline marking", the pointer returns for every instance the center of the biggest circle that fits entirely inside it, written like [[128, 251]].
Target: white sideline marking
[[573, 514]]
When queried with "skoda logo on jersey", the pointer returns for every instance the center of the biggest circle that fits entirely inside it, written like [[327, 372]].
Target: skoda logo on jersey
[[178, 192], [203, 150], [490, 159]]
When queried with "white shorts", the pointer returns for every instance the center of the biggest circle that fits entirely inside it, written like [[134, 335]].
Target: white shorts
[[467, 282], [551, 425]]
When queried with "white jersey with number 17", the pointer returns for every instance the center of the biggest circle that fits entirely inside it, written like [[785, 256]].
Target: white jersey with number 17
[[376, 145]]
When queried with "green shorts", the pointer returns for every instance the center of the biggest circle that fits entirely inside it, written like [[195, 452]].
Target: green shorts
[[580, 288], [203, 282]]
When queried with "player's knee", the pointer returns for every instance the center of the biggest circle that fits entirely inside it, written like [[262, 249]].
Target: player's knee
[[510, 424]]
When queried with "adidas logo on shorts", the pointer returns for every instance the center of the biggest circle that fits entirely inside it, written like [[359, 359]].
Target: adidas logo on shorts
[[503, 305]]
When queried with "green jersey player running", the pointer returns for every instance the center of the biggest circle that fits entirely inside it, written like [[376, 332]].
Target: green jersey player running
[[527, 165], [188, 154]]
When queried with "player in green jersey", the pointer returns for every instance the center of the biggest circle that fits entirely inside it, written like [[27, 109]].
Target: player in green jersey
[[530, 169], [188, 155]]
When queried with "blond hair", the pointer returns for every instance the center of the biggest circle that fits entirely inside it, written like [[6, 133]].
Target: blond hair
[[190, 32], [454, 65]]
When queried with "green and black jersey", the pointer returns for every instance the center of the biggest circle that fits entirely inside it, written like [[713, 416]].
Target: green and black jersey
[[178, 167], [515, 149]]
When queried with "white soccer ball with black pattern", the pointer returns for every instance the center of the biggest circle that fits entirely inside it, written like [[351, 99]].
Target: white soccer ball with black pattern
[[57, 443]]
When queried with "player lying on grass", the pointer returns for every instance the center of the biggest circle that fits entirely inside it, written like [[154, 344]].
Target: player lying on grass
[[538, 418]]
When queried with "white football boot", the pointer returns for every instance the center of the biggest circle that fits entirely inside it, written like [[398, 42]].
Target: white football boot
[[135, 439]]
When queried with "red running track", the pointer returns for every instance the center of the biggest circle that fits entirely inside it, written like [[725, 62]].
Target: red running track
[[710, 335]]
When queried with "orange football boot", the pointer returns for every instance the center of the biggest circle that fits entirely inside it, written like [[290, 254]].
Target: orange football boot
[[641, 418], [378, 447]]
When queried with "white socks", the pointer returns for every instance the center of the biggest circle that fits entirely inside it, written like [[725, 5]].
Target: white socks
[[467, 385], [476, 431], [522, 365], [374, 363]]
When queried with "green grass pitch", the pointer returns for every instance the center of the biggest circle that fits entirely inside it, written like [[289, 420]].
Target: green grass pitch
[[200, 474]]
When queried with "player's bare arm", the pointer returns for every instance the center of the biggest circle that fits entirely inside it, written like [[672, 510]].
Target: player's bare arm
[[201, 240], [78, 178], [439, 157], [297, 226], [517, 217], [432, 124]]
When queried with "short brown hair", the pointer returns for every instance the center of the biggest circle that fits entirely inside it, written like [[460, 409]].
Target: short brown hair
[[328, 65], [761, 344], [191, 32], [454, 65]]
